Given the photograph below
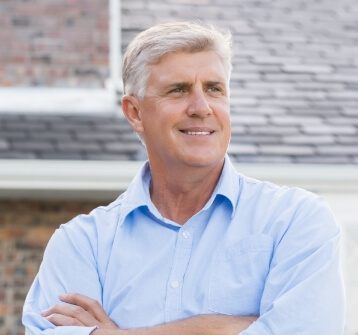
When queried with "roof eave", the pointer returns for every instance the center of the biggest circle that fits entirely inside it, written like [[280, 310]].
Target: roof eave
[[104, 180]]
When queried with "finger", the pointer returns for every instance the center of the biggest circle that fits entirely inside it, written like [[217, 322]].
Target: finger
[[73, 312], [88, 304], [63, 320]]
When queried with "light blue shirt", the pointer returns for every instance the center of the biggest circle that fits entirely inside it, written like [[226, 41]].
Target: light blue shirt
[[254, 249]]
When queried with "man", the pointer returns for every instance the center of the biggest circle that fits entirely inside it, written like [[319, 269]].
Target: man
[[192, 247]]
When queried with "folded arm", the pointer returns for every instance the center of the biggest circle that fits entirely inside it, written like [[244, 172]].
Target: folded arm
[[83, 311], [196, 325]]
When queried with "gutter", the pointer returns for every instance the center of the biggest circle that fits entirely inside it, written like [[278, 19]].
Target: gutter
[[105, 180]]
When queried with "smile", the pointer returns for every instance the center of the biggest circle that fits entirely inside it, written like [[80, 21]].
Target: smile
[[198, 133]]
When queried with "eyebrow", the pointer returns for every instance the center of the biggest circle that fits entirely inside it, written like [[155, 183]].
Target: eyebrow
[[179, 84], [214, 83]]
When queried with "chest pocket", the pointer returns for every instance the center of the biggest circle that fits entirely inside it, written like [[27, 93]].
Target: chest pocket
[[238, 276]]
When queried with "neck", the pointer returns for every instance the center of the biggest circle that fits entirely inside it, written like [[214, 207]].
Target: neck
[[178, 194]]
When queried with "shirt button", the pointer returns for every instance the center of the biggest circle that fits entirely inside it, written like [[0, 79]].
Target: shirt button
[[186, 235], [174, 284]]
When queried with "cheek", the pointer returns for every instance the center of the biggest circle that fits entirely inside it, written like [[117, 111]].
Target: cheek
[[173, 106], [169, 113], [223, 113]]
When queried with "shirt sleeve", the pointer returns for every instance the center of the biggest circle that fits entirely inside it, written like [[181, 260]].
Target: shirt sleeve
[[69, 266], [303, 293]]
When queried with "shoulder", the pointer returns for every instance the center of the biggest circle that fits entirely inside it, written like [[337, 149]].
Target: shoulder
[[90, 229], [275, 209], [276, 195]]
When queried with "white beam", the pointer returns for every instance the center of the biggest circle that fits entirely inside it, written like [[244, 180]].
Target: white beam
[[106, 179], [115, 42], [56, 100]]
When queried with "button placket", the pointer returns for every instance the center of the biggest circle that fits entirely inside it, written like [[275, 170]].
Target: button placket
[[174, 287]]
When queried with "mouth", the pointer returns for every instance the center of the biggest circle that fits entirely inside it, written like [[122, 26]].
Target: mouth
[[197, 132]]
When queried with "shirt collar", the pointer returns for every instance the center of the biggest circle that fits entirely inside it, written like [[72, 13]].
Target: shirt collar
[[228, 185], [137, 194]]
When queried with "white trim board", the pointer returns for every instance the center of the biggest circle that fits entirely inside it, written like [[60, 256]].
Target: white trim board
[[58, 101], [115, 45], [106, 179]]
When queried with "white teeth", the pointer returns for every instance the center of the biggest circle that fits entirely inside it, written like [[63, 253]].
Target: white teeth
[[198, 133]]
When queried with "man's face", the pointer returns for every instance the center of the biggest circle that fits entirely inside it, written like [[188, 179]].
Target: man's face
[[185, 112]]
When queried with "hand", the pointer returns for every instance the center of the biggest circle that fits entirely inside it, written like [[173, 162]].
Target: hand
[[79, 310]]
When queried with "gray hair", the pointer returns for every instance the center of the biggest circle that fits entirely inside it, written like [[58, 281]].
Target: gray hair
[[151, 45]]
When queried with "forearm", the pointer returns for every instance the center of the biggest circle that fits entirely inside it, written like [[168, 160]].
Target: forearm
[[197, 325]]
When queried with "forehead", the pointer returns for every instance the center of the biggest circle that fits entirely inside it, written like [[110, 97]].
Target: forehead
[[185, 66]]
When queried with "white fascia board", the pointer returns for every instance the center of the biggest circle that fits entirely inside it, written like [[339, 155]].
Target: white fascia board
[[58, 100], [115, 42], [65, 179], [106, 179], [314, 177]]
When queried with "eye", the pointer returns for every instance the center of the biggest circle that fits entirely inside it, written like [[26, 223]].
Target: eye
[[178, 90], [216, 90]]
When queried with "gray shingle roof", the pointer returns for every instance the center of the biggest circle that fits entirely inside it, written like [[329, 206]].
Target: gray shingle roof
[[294, 86], [67, 137]]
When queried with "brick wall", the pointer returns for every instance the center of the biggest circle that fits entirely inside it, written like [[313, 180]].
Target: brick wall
[[25, 227], [53, 43]]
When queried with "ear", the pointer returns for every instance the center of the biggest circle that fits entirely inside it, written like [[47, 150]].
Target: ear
[[131, 110]]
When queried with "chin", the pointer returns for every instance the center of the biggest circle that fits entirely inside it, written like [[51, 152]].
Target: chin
[[201, 161]]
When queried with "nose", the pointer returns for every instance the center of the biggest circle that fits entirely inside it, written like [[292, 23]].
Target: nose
[[198, 104]]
